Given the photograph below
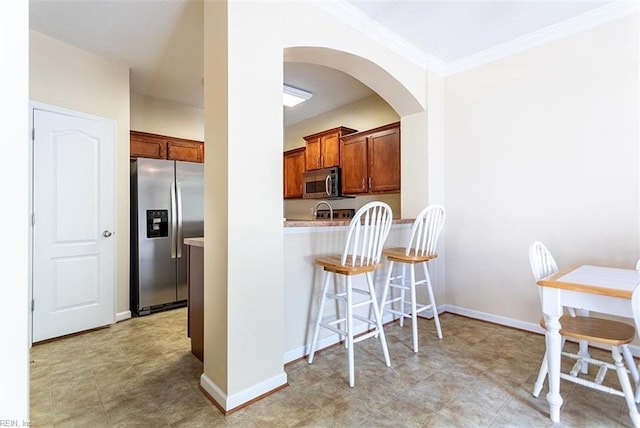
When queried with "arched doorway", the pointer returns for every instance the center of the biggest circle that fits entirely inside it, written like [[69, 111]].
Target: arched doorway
[[394, 92]]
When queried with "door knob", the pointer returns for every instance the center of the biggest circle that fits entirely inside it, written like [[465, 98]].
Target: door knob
[[106, 234]]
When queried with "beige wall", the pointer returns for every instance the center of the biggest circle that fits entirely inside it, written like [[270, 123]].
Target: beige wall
[[542, 146], [65, 76], [166, 118]]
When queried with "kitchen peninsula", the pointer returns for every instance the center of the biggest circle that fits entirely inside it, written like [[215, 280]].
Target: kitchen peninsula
[[195, 295], [304, 240]]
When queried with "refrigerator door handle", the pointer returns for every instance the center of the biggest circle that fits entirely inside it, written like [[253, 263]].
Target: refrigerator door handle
[[179, 223], [174, 221]]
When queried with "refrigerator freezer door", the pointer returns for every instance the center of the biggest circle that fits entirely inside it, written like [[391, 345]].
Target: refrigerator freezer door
[[157, 270], [190, 181]]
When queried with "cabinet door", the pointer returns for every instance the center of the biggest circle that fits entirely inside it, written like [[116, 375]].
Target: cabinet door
[[293, 164], [354, 165], [330, 146], [384, 160], [145, 145], [312, 154], [190, 151]]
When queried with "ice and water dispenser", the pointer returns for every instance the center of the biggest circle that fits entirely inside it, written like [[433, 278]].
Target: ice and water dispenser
[[157, 223]]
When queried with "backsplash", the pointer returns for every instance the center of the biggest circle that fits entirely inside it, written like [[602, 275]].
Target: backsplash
[[302, 209]]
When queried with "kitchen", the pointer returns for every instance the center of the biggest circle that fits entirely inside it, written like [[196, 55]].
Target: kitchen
[[483, 168]]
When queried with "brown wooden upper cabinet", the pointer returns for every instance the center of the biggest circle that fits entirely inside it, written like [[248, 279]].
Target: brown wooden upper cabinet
[[323, 148], [293, 165], [146, 145], [370, 160]]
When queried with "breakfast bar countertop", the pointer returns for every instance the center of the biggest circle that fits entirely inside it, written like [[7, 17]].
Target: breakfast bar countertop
[[196, 242], [324, 223]]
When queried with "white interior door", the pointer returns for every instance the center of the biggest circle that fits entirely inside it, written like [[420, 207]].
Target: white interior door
[[73, 228]]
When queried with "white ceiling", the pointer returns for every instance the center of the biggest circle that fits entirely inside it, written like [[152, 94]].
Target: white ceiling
[[161, 40], [453, 30]]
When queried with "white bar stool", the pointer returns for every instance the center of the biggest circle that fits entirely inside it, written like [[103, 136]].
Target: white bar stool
[[420, 248], [367, 233]]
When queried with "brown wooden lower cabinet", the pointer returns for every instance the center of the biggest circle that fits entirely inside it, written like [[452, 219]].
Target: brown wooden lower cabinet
[[195, 299], [146, 145]]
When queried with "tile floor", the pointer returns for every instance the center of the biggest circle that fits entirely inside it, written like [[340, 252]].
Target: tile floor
[[140, 373]]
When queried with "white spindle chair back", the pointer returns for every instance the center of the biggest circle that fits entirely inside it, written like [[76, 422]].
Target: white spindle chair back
[[367, 234], [541, 260], [425, 231]]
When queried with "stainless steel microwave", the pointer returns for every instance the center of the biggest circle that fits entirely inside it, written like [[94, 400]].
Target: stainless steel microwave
[[322, 183]]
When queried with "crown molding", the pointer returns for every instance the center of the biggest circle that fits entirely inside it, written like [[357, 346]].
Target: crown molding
[[579, 23], [353, 17]]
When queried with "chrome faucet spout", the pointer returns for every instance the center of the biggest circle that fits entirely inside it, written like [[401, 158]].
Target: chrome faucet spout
[[315, 209]]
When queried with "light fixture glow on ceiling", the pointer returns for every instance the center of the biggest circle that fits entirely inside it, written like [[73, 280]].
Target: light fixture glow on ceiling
[[293, 96]]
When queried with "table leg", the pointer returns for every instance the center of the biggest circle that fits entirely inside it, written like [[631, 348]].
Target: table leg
[[554, 349], [584, 345]]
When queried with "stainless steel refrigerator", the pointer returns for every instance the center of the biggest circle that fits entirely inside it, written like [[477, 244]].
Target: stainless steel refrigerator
[[167, 205]]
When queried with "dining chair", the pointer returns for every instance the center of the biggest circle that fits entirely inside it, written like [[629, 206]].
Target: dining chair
[[542, 265], [420, 248], [366, 235], [614, 335]]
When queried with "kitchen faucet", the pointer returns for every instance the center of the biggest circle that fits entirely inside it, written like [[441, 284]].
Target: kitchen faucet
[[315, 209]]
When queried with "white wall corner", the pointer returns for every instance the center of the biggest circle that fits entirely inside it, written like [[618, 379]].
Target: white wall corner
[[121, 316], [230, 402], [215, 393]]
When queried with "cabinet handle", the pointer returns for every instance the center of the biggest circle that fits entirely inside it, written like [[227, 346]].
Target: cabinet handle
[[363, 187], [369, 183], [321, 160]]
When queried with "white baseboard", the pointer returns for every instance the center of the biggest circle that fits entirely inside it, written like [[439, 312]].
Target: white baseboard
[[230, 402], [121, 316], [521, 325], [495, 319]]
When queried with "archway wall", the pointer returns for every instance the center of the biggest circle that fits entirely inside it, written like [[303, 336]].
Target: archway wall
[[245, 46], [323, 39], [320, 38]]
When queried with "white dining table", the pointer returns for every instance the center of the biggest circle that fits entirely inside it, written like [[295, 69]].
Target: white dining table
[[588, 288]]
